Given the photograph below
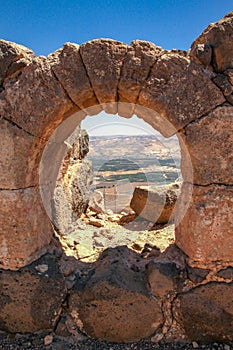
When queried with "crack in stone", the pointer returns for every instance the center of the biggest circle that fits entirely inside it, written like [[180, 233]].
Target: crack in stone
[[209, 184], [120, 75], [21, 128], [200, 118], [64, 89], [149, 74], [89, 79], [19, 189]]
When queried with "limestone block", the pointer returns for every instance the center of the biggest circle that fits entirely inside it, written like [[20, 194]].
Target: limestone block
[[104, 72], [13, 57], [19, 157], [36, 101], [25, 230], [31, 298], [114, 304], [68, 66], [179, 90], [206, 231], [206, 312], [219, 36], [140, 58], [155, 204], [209, 143]]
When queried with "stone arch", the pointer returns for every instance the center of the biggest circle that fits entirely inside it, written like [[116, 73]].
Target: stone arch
[[191, 90]]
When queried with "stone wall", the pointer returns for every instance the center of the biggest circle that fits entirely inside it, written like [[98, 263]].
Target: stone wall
[[187, 93]]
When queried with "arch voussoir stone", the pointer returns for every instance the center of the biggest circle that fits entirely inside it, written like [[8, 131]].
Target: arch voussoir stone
[[68, 67], [35, 101], [140, 58], [104, 72], [179, 90]]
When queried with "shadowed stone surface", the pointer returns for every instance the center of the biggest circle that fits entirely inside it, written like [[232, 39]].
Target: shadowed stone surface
[[114, 304], [13, 58], [206, 312], [31, 298]]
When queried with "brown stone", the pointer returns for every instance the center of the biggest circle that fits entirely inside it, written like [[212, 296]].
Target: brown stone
[[206, 312], [155, 204], [205, 232], [68, 67], [114, 304], [31, 300], [13, 58], [20, 160], [140, 58], [35, 101], [23, 216], [219, 36], [209, 144], [104, 72], [178, 97]]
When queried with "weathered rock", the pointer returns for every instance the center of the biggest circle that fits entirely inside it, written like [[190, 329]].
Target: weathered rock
[[96, 202], [177, 97], [38, 100], [214, 135], [68, 66], [167, 272], [141, 56], [23, 216], [13, 58], [196, 275], [71, 195], [219, 36], [155, 204], [31, 300], [226, 273], [205, 231], [20, 160], [206, 312], [104, 72], [114, 304]]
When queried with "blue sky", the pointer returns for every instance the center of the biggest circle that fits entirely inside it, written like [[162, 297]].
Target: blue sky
[[45, 25]]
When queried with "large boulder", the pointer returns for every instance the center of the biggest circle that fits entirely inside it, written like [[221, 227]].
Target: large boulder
[[155, 204], [31, 298], [114, 304], [206, 312]]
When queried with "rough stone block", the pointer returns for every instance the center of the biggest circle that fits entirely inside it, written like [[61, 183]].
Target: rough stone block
[[31, 298], [104, 72], [180, 98], [36, 101], [219, 36], [19, 157], [13, 57], [115, 305], [25, 230], [68, 66], [140, 58], [205, 225], [206, 312], [209, 144]]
